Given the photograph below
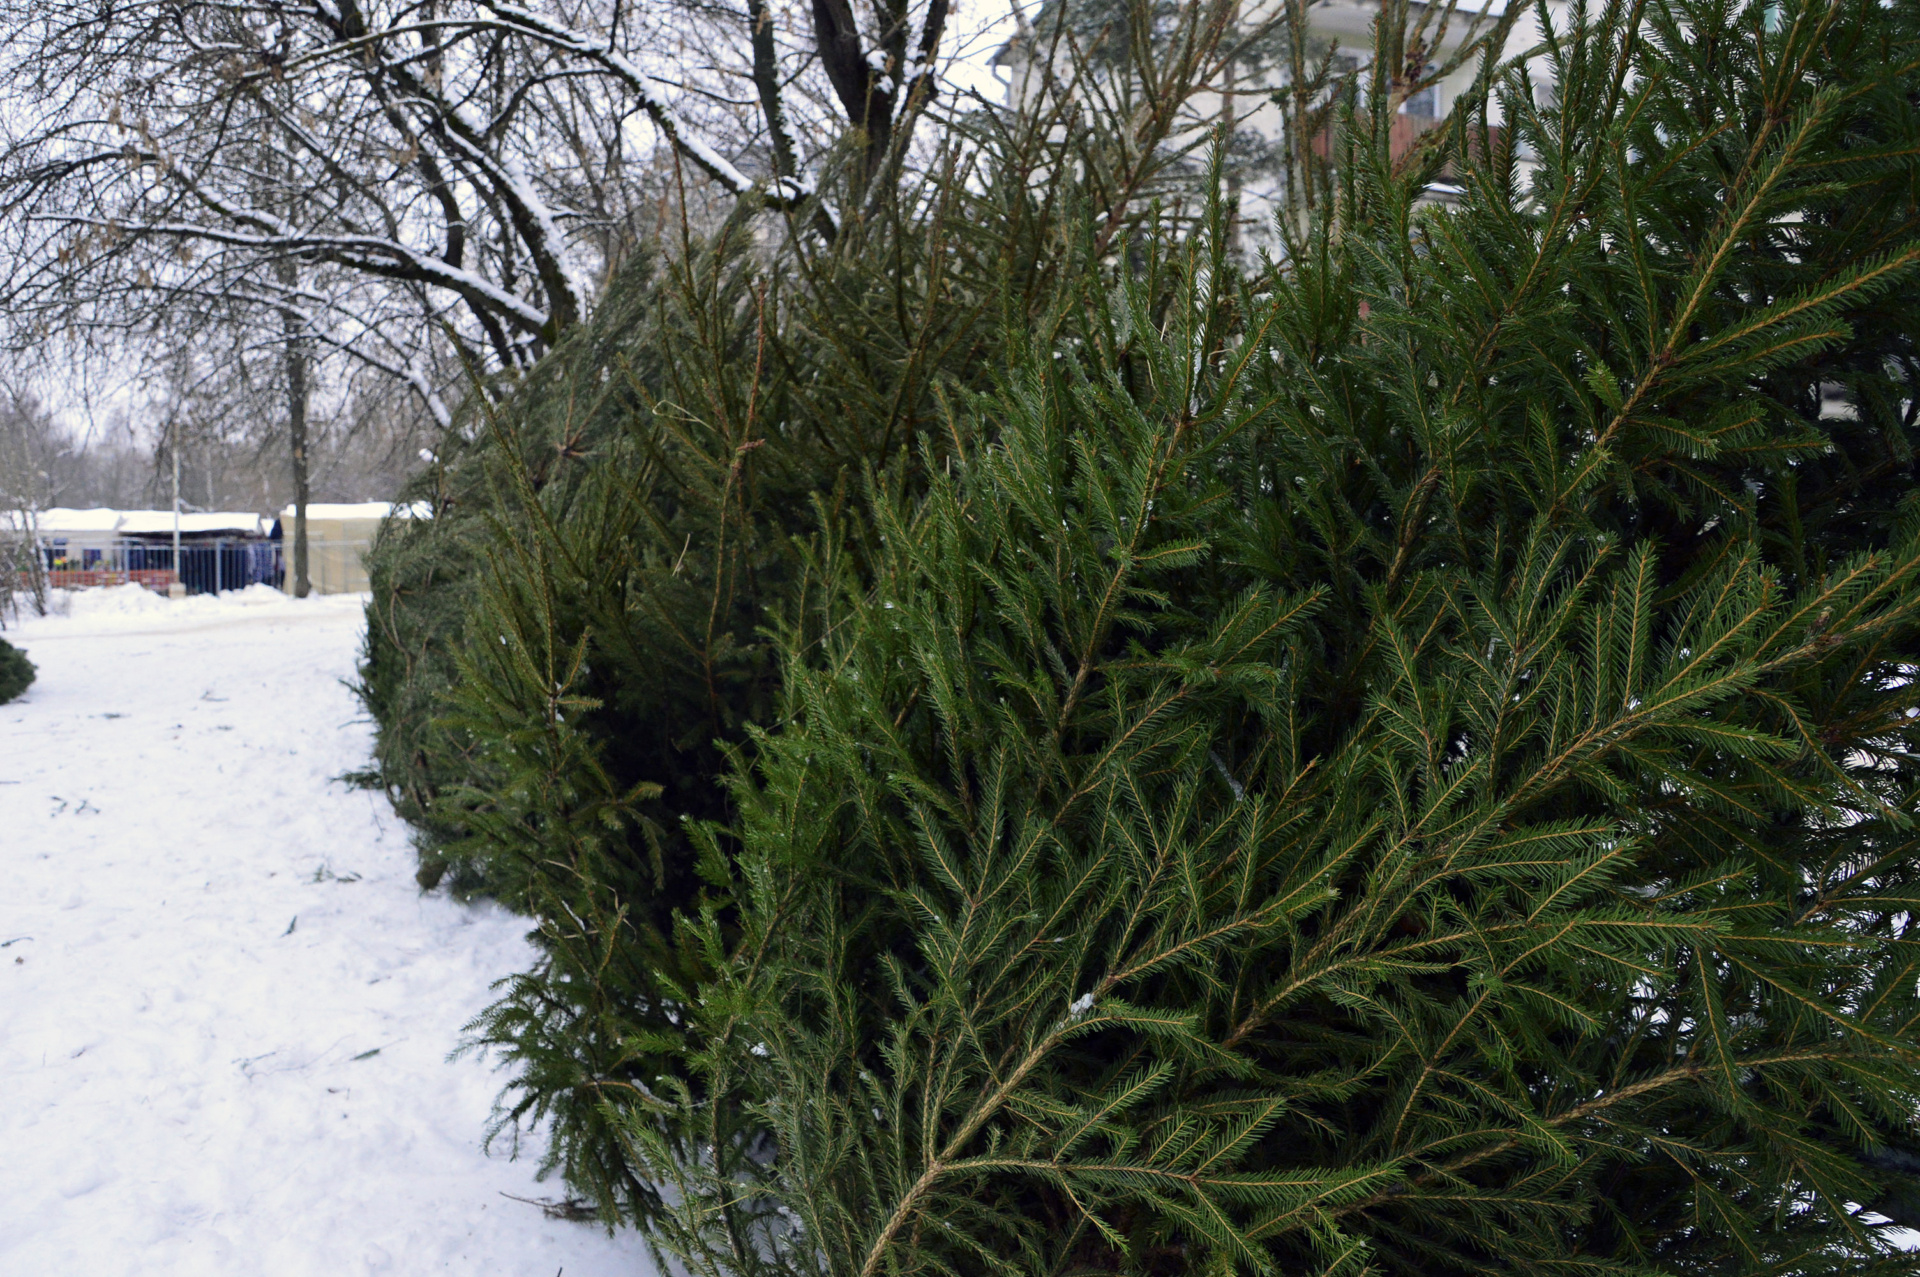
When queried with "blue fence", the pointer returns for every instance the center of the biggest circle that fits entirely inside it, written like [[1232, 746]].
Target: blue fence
[[205, 567]]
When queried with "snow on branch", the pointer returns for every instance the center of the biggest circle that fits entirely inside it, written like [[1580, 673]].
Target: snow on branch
[[783, 193]]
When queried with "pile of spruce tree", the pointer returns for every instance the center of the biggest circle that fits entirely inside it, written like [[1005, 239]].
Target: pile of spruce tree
[[1030, 752]]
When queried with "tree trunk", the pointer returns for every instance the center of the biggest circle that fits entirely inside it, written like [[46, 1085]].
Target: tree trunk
[[297, 435]]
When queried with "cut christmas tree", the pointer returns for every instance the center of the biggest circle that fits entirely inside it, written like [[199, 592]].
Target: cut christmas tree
[[1401, 765]]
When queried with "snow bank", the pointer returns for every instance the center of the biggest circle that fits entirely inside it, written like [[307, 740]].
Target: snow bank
[[107, 604], [225, 1008]]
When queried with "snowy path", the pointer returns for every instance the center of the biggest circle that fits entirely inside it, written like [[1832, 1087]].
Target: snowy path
[[225, 1008]]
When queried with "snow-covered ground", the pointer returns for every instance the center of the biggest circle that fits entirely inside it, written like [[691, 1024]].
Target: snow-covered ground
[[225, 1008]]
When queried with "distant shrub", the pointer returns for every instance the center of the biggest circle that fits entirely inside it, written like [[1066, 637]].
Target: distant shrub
[[16, 672]]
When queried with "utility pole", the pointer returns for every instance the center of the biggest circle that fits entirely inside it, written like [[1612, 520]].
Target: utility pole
[[179, 587]]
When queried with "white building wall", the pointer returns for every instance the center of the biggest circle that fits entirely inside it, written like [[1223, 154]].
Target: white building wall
[[1347, 27]]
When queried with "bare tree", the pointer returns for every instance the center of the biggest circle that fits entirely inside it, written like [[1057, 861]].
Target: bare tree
[[429, 188], [32, 453], [473, 156]]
